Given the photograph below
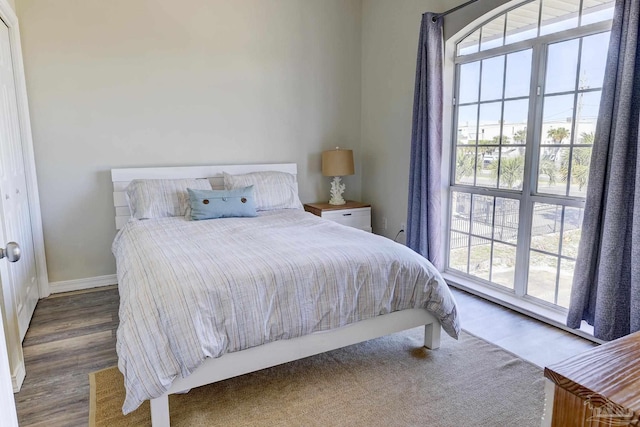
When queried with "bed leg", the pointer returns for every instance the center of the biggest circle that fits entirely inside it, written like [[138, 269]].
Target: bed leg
[[431, 336], [160, 411]]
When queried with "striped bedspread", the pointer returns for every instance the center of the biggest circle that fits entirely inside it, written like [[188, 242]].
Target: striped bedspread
[[190, 290]]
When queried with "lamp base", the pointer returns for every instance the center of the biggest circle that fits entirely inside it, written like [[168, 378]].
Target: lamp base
[[337, 188]]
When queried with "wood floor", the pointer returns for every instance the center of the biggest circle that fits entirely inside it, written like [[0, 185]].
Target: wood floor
[[530, 339], [72, 335]]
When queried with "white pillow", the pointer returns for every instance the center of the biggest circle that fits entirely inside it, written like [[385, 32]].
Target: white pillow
[[272, 190], [159, 198]]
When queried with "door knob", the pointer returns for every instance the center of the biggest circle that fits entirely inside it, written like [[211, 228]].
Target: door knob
[[11, 252]]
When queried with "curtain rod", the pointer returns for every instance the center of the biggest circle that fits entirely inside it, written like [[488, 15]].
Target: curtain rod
[[440, 15]]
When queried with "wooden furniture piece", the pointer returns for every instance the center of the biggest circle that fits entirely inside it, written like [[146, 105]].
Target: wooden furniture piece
[[600, 387], [353, 214], [274, 353]]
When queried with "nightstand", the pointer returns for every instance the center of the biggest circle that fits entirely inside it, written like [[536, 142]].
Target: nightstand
[[352, 214]]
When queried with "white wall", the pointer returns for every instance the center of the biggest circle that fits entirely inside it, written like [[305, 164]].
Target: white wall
[[390, 33], [246, 81], [160, 83]]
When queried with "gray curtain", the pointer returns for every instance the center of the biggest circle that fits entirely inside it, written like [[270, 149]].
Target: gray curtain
[[424, 232], [606, 284]]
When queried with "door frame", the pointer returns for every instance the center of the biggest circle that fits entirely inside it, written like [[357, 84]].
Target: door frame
[[8, 15]]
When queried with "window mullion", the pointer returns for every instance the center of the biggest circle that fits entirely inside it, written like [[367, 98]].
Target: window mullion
[[534, 129], [573, 138], [454, 134], [475, 168], [452, 163]]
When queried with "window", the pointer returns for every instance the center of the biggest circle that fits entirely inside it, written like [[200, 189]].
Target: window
[[528, 86]]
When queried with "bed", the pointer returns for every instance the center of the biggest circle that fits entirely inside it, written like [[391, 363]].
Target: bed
[[203, 301]]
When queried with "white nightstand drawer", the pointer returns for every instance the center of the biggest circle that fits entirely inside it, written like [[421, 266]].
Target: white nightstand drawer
[[358, 218], [352, 213]]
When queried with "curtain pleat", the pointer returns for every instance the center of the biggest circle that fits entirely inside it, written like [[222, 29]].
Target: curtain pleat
[[424, 223]]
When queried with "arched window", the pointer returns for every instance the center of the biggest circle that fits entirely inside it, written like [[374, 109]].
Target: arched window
[[527, 94]]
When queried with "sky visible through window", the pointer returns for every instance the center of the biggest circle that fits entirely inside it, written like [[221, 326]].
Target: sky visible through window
[[563, 58]]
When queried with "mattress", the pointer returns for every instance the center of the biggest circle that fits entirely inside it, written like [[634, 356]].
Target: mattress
[[192, 290]]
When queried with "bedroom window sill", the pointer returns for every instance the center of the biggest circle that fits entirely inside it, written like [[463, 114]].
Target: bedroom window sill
[[544, 314]]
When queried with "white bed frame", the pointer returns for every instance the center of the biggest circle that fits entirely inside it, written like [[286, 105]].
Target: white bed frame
[[275, 353]]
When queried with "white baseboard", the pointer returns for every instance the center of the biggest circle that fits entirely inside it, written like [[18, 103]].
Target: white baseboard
[[17, 376], [80, 284]]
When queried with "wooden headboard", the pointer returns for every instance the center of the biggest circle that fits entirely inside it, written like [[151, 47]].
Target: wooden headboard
[[122, 177]]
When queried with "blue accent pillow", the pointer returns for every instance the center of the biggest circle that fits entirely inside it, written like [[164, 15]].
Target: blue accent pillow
[[211, 204]]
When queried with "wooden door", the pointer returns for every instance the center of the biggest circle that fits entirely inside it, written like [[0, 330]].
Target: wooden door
[[15, 221]]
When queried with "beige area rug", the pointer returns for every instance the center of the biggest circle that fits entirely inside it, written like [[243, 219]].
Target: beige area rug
[[389, 381]]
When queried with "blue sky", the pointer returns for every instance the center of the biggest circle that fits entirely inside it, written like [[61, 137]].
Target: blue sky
[[562, 70]]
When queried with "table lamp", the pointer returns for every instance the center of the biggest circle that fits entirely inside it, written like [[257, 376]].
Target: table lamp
[[337, 163]]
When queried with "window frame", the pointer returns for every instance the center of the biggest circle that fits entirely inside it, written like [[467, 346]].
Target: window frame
[[529, 195]]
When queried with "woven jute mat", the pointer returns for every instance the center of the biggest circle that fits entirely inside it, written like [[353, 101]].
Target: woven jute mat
[[389, 381]]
